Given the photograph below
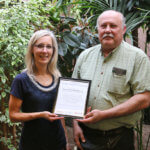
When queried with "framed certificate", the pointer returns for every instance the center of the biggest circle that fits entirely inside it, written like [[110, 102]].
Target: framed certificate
[[72, 96]]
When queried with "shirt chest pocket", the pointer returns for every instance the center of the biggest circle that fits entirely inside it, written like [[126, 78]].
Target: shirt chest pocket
[[117, 82]]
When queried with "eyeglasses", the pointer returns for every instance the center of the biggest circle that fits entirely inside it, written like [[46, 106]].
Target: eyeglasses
[[41, 46]]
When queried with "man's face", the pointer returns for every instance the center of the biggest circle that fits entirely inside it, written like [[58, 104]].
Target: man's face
[[110, 30]]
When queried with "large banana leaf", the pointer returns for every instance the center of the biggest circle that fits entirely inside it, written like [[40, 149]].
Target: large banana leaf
[[134, 16]]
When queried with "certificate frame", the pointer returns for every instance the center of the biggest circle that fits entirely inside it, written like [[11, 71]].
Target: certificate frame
[[72, 97]]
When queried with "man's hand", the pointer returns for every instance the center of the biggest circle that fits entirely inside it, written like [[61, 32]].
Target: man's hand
[[78, 134], [134, 104], [92, 117]]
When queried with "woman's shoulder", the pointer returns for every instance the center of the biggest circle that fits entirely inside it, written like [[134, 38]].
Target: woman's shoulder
[[21, 76], [19, 81]]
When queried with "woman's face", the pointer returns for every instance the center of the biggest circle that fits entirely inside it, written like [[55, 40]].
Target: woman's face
[[43, 50]]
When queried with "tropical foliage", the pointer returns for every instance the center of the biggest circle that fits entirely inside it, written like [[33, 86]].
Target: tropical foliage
[[135, 14]]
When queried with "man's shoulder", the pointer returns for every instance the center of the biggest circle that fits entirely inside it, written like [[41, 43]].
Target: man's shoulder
[[90, 51], [132, 49]]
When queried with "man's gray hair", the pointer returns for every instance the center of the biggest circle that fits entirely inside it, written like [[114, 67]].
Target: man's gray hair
[[122, 18]]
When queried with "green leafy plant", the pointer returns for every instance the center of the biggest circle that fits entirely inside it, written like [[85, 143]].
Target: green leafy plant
[[18, 22], [139, 133], [135, 16]]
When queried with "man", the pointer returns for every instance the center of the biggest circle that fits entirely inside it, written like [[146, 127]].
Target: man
[[120, 88]]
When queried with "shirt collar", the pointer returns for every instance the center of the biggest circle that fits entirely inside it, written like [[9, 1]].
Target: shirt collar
[[112, 52]]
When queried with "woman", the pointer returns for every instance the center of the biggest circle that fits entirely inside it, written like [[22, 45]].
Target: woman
[[34, 91]]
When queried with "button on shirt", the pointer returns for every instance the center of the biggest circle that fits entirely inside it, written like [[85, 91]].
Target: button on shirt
[[115, 78]]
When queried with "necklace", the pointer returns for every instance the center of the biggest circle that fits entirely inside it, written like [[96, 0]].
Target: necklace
[[44, 89]]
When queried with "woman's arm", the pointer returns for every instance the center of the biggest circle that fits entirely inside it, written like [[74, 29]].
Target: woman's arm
[[17, 116]]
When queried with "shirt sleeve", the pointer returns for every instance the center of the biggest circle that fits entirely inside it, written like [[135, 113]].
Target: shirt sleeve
[[141, 75], [77, 68], [17, 87], [76, 72]]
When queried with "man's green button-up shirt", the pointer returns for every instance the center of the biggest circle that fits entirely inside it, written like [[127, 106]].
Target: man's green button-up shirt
[[115, 78]]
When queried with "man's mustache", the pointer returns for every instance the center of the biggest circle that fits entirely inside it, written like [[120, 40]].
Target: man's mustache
[[108, 35]]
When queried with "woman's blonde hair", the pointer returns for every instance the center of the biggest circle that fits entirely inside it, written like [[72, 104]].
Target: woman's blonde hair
[[29, 58]]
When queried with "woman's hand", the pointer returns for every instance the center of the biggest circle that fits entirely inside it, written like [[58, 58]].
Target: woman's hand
[[50, 116]]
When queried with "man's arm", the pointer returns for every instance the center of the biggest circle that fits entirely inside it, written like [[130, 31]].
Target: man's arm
[[134, 104]]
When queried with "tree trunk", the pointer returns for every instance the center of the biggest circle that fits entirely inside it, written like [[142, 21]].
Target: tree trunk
[[4, 126], [135, 37], [14, 136]]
